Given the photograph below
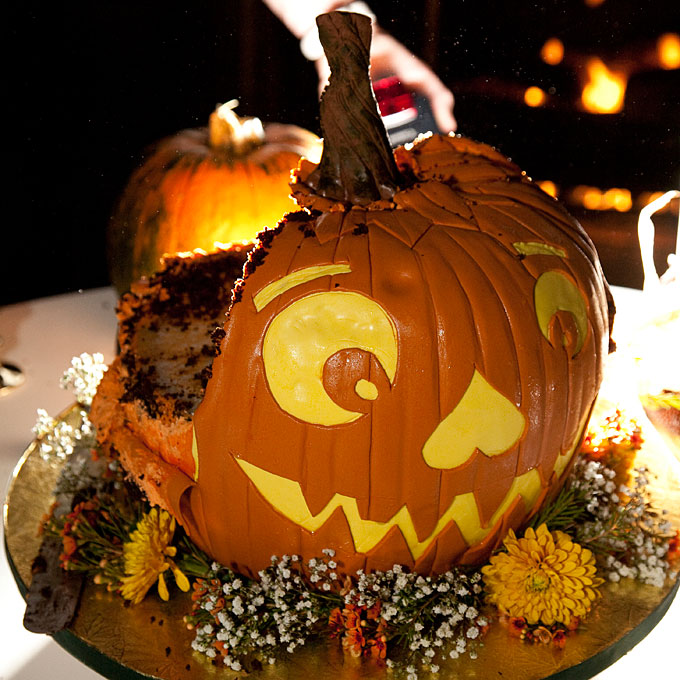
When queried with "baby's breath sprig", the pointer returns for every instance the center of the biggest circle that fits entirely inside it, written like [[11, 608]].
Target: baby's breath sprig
[[629, 537], [83, 377], [248, 622], [427, 619], [58, 439]]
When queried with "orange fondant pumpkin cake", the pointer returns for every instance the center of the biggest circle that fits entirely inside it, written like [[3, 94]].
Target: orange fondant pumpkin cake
[[407, 366]]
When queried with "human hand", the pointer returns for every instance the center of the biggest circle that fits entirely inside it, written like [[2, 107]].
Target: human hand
[[390, 57]]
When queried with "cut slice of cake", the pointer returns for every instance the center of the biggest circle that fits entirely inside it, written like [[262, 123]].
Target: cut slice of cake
[[144, 405]]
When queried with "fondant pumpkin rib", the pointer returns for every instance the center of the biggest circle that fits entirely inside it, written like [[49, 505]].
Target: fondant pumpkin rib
[[576, 239], [474, 284], [433, 331], [497, 360], [449, 356], [517, 284]]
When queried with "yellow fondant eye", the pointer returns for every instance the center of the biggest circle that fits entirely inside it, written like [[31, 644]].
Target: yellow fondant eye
[[537, 248], [483, 419], [366, 389], [304, 335], [553, 293], [285, 283]]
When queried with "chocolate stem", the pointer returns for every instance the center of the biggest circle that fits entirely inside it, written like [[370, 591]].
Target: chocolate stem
[[357, 165]]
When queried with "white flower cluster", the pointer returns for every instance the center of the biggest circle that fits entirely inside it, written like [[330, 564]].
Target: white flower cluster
[[629, 537], [83, 376], [57, 439], [438, 617], [259, 619]]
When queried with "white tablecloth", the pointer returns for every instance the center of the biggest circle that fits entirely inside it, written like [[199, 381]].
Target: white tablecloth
[[41, 336]]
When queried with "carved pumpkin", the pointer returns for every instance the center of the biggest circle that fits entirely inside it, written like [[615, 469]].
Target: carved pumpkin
[[409, 363], [222, 184]]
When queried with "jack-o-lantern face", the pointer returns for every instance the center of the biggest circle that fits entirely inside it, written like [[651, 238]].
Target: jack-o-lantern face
[[402, 384]]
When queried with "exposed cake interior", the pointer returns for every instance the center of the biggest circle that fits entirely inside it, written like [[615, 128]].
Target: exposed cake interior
[[145, 403]]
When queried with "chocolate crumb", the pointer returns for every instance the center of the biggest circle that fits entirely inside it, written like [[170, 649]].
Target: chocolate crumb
[[190, 295]]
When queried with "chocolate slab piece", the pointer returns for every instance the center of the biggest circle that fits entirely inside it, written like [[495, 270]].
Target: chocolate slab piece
[[53, 596]]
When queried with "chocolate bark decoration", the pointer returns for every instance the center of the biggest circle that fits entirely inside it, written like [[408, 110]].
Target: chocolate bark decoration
[[357, 165], [53, 596]]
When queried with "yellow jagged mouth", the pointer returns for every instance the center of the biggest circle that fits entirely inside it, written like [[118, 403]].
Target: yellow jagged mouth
[[286, 496]]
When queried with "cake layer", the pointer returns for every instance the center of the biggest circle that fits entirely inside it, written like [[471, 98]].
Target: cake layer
[[149, 394]]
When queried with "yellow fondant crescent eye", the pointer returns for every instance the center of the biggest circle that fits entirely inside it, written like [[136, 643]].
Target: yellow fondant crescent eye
[[553, 293], [304, 335], [483, 419]]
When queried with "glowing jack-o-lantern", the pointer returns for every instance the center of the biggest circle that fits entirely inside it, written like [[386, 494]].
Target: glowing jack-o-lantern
[[204, 186], [408, 367]]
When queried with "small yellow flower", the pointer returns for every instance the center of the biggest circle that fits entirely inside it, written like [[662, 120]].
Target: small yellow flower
[[543, 577], [148, 554]]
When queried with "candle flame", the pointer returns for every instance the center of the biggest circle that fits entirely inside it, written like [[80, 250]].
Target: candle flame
[[668, 50], [534, 96], [592, 198], [605, 90], [552, 51], [549, 187]]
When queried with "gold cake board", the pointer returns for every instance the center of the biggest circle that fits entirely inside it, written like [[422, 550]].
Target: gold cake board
[[149, 640]]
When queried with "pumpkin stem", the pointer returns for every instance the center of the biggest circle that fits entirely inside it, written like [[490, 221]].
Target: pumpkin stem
[[357, 165], [233, 133]]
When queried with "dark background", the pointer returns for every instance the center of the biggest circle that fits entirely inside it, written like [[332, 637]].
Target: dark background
[[90, 84]]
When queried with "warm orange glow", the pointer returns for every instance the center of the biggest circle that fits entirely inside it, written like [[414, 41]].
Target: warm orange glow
[[605, 89], [593, 3], [668, 50], [552, 51], [617, 199], [549, 187], [534, 96], [592, 198], [648, 197]]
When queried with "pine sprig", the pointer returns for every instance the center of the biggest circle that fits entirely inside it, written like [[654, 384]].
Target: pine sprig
[[567, 510]]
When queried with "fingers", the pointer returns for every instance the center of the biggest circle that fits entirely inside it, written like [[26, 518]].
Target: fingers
[[388, 56], [442, 102], [323, 71]]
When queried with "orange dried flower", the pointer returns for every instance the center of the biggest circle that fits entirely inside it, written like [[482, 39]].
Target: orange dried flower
[[559, 639], [354, 641]]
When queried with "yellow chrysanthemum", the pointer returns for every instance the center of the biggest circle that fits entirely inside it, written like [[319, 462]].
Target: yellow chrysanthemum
[[543, 577], [148, 554]]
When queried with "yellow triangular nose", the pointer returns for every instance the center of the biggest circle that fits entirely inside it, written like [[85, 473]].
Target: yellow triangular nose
[[483, 419]]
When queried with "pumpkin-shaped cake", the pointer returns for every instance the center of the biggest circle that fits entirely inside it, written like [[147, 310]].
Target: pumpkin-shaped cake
[[409, 363]]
